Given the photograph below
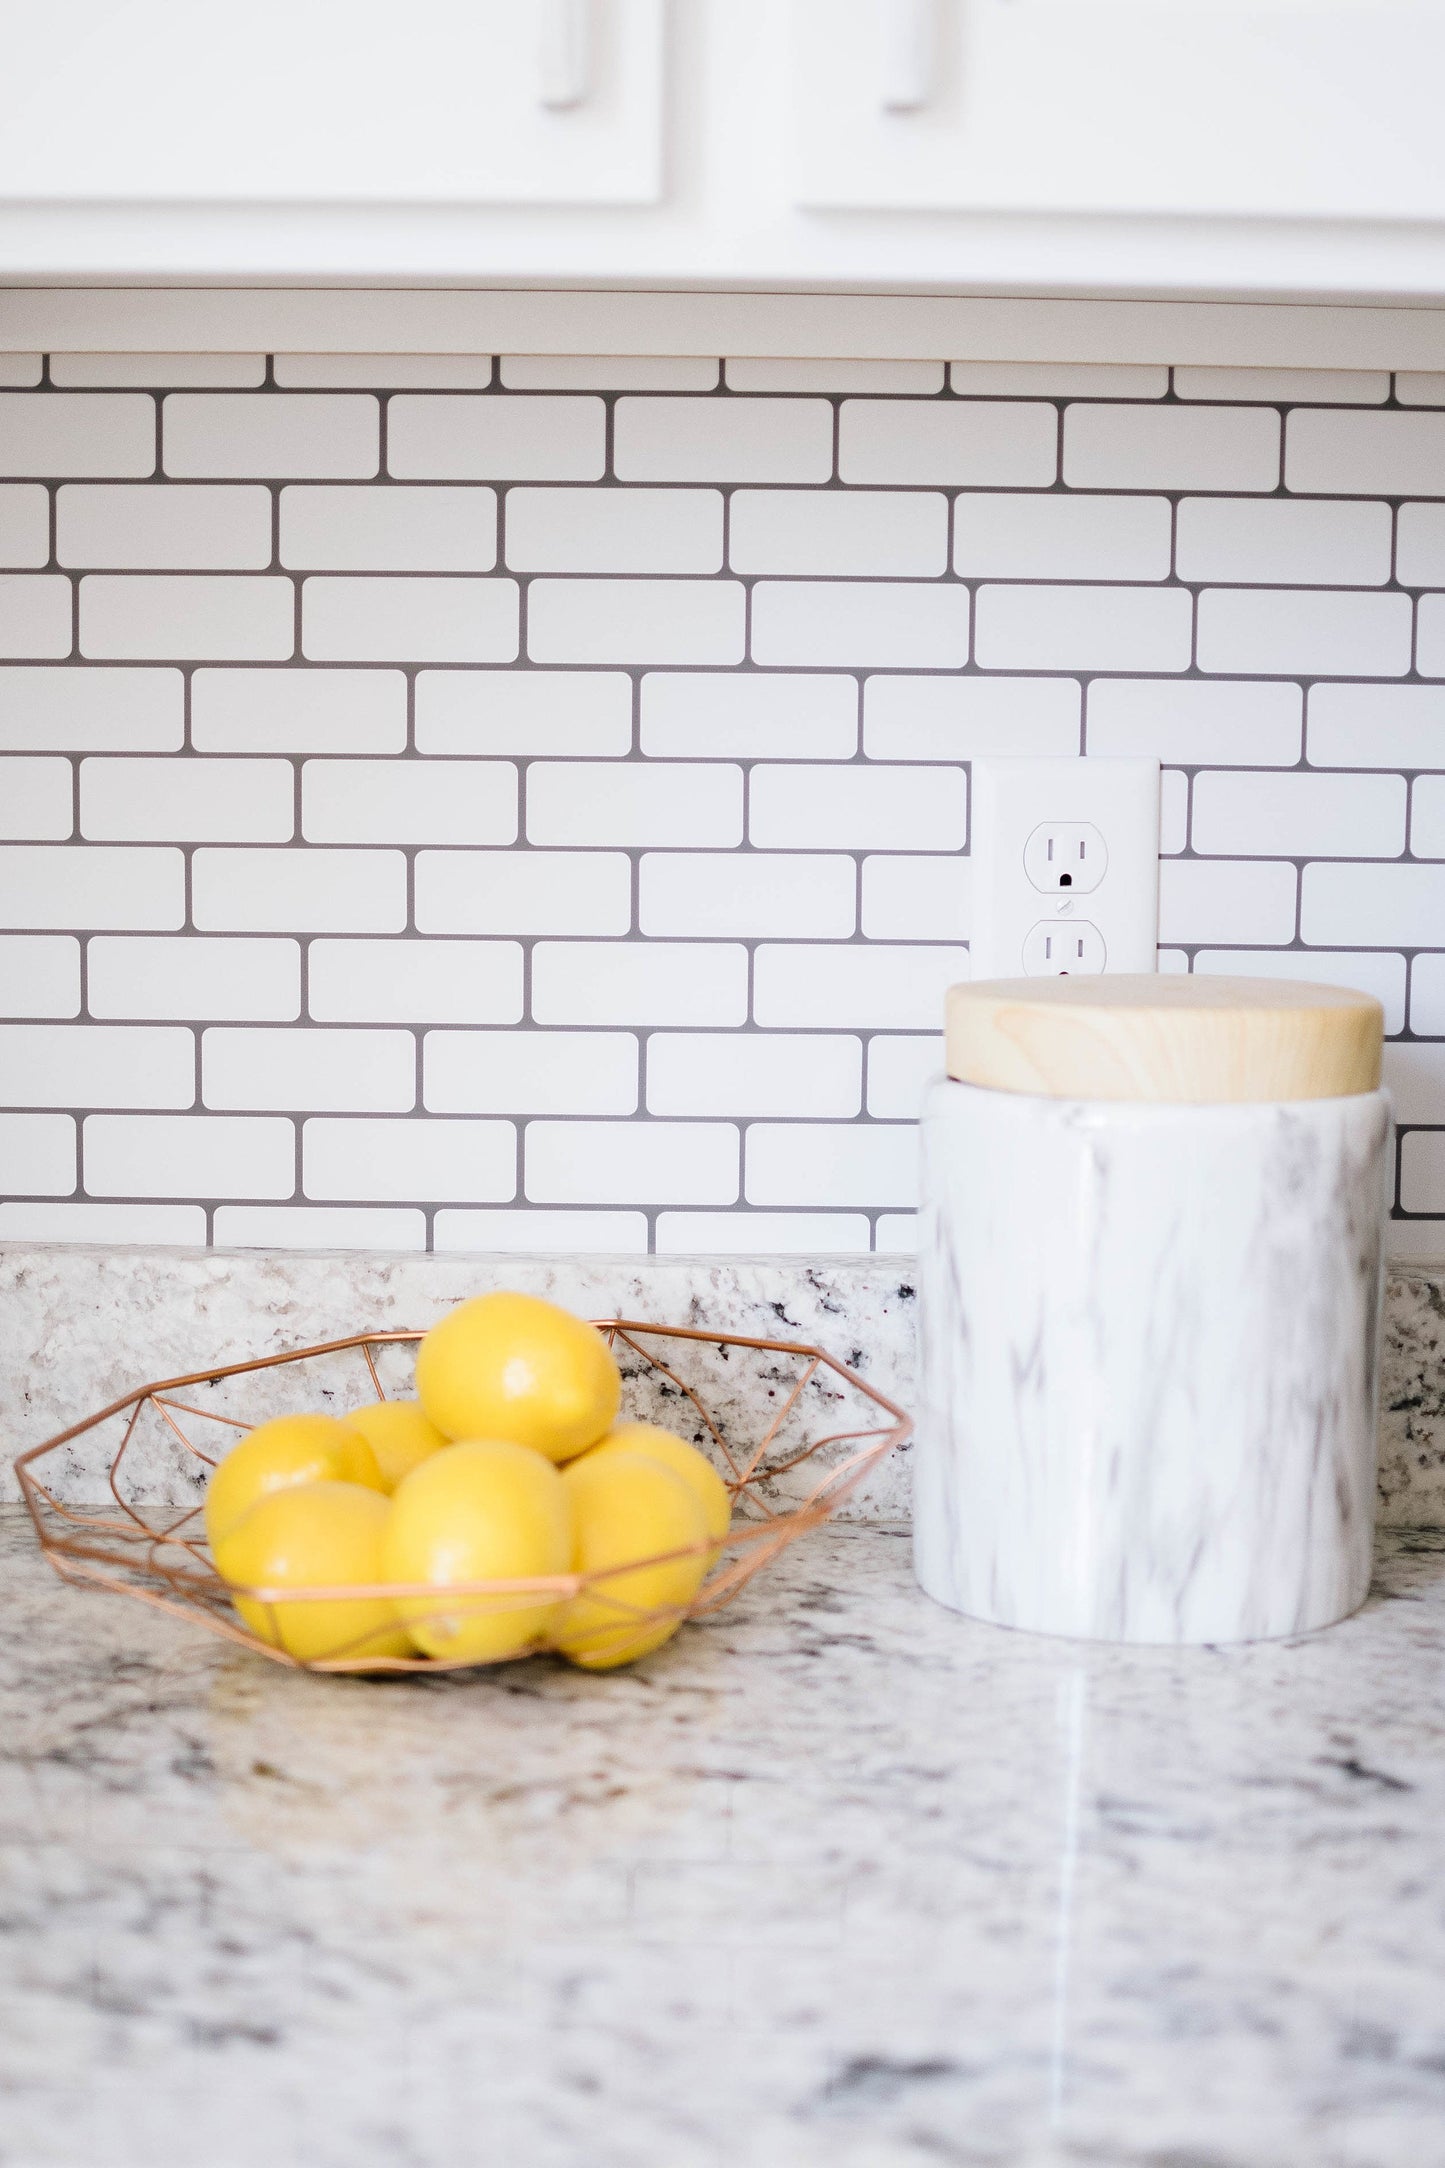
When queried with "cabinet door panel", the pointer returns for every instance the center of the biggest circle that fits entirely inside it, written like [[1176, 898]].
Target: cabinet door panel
[[1276, 108], [326, 101]]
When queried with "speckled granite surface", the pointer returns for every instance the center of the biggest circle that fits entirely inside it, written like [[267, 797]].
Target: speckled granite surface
[[838, 1880], [79, 1327]]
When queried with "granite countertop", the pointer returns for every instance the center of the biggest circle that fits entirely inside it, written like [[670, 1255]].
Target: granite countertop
[[838, 1878]]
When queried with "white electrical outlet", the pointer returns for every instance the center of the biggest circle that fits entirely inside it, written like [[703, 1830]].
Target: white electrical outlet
[[1065, 867]]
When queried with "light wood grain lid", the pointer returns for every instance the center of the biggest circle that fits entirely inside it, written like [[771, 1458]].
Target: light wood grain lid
[[1166, 1038]]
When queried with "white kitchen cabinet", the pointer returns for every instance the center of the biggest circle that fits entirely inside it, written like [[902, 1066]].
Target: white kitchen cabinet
[[517, 102]]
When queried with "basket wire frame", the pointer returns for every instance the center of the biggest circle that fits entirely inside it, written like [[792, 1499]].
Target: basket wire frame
[[160, 1556]]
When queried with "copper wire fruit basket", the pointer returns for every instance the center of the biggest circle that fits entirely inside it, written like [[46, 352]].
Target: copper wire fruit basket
[[825, 1431]]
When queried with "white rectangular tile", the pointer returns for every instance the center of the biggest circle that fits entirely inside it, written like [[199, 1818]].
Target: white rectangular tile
[[761, 1234], [409, 801], [160, 372], [530, 1072], [1359, 906], [91, 886], [1414, 1076], [1368, 455], [1427, 996], [635, 621], [916, 899], [388, 527], [188, 1155], [1293, 631], [640, 1162], [875, 986], [896, 1234], [1276, 540], [408, 1159], [384, 372], [1083, 628], [150, 799], [770, 373], [1376, 726], [38, 1155], [24, 525], [744, 894], [1371, 971], [187, 976], [837, 532], [900, 1069], [635, 803], [296, 711], [1303, 816], [318, 1227], [1420, 387], [723, 440], [615, 530], [301, 436], [1052, 535], [609, 372], [939, 443], [35, 616], [375, 619], [754, 1073], [1208, 902], [414, 982], [1427, 810], [492, 439], [1420, 545], [523, 892], [1171, 447], [531, 1233], [1430, 636], [305, 1067], [52, 434], [1195, 723], [187, 527], [1059, 379], [39, 974], [1422, 1171], [1173, 811], [84, 711], [820, 1163], [962, 718], [1333, 387], [858, 806], [37, 798], [96, 1065], [750, 715], [585, 712], [640, 983], [200, 616], [849, 623], [21, 368], [301, 890], [176, 1224]]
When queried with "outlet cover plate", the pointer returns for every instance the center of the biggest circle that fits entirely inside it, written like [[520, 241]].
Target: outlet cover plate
[[1013, 798]]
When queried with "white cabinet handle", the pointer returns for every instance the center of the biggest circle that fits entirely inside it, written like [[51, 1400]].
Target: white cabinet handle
[[564, 53], [907, 53]]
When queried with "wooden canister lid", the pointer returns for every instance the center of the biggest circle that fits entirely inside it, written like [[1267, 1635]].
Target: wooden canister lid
[[1166, 1037]]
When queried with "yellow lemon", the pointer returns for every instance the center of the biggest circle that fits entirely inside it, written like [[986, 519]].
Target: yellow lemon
[[314, 1535], [512, 1366], [627, 1508], [289, 1449], [484, 1510], [398, 1433], [696, 1470]]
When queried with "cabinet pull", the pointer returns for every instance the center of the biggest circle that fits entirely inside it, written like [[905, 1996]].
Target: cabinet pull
[[564, 53], [907, 53]]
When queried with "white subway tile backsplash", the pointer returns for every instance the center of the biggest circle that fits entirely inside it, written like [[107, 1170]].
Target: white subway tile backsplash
[[885, 532], [523, 892], [307, 1066], [91, 886], [858, 806], [35, 616], [39, 975], [21, 368], [635, 803], [915, 899], [194, 617], [1058, 379], [869, 986], [1171, 447], [1362, 906], [754, 1073], [900, 1069], [821, 1163], [300, 436], [387, 528], [1194, 723], [530, 1072], [1420, 545], [302, 890], [37, 798], [517, 439], [413, 801], [964, 718], [91, 711], [294, 711], [723, 440], [384, 372], [614, 530], [569, 1234], [96, 1065], [402, 1159], [37, 1154], [1049, 535], [749, 716], [1083, 628], [24, 525], [188, 1155], [635, 621], [1420, 387], [1246, 814], [148, 799], [182, 976], [883, 624], [415, 982], [1427, 812], [942, 443], [318, 1227], [767, 1234], [1209, 902], [532, 712], [1376, 726], [769, 373], [609, 372], [1422, 1171], [408, 620], [210, 372], [134, 525], [1365, 455], [1173, 812], [126, 1223], [640, 982], [1333, 387], [747, 894], [59, 434], [1427, 996], [612, 1163], [1287, 632], [1430, 636], [1279, 540], [1414, 1075], [1372, 971]]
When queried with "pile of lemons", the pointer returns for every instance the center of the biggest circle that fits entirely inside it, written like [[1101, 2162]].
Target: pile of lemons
[[509, 1465]]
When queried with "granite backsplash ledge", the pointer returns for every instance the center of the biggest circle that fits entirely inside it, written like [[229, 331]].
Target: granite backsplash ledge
[[80, 1327]]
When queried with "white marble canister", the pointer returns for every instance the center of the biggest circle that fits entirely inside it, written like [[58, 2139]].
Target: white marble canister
[[1150, 1333]]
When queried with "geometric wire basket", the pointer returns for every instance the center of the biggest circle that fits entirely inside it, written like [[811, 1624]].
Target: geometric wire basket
[[783, 1482]]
